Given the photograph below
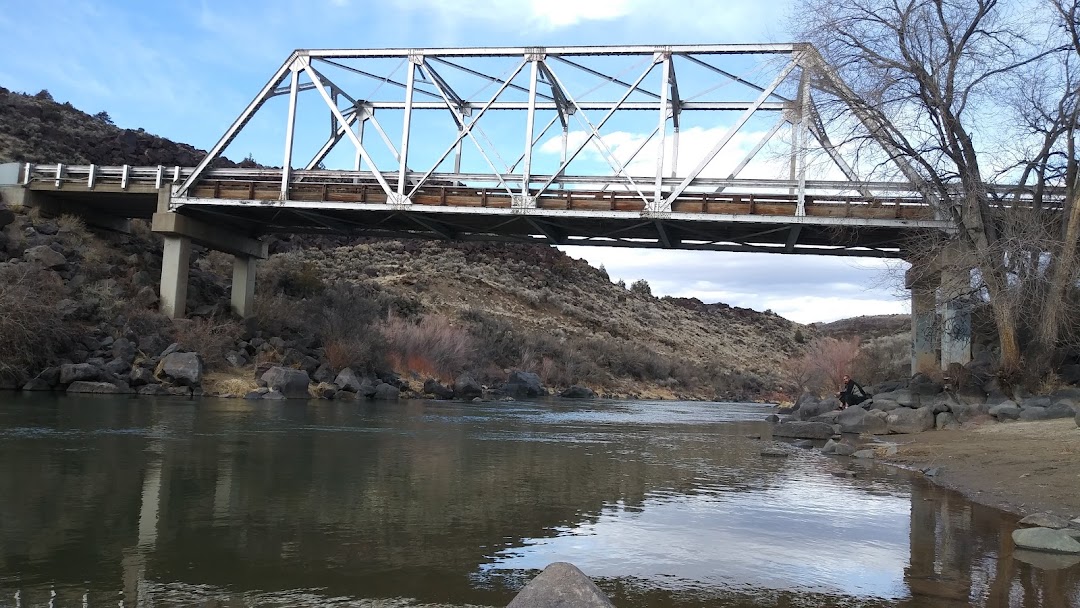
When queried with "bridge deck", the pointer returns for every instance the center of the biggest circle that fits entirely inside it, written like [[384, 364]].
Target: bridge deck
[[735, 215]]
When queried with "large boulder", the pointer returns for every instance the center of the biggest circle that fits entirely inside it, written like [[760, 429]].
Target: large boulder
[[884, 405], [140, 376], [387, 392], [921, 384], [964, 412], [437, 389], [7, 216], [524, 385], [1006, 410], [46, 257], [1045, 539], [1045, 520], [1061, 409], [858, 420], [809, 406], [290, 383], [73, 372], [945, 421], [184, 369], [803, 430], [1033, 413], [907, 420], [101, 388], [560, 585], [903, 397], [578, 392], [347, 380], [466, 387], [367, 389], [124, 350]]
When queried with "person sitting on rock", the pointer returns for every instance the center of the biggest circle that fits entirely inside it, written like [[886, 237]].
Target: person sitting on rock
[[851, 393]]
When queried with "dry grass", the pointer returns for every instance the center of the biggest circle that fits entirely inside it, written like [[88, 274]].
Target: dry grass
[[237, 382]]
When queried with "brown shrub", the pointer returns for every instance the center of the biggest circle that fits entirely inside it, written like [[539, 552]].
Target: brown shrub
[[433, 346], [211, 337], [362, 353], [32, 328]]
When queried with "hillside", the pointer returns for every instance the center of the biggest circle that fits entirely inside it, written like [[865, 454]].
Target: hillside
[[36, 129], [407, 310]]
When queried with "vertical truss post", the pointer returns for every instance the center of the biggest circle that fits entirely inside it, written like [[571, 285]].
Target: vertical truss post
[[665, 76], [359, 160], [290, 126], [457, 150], [534, 57], [410, 82], [804, 132]]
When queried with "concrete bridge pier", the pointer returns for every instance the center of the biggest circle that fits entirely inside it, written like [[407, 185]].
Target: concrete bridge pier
[[924, 347], [941, 330], [179, 232], [955, 315]]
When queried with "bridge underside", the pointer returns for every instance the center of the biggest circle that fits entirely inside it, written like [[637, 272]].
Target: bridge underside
[[698, 231]]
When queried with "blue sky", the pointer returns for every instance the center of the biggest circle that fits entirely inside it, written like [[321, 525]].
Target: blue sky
[[185, 69]]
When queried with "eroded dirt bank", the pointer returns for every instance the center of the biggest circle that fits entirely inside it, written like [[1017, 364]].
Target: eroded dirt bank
[[1020, 467]]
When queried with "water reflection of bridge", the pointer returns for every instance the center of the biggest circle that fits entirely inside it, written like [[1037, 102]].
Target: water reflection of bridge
[[219, 498]]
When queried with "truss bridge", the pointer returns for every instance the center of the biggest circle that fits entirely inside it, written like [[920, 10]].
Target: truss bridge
[[704, 147]]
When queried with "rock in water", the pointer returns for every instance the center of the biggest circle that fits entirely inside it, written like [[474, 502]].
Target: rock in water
[[291, 383], [386, 392], [561, 585], [347, 380], [1046, 561], [578, 392], [803, 430], [184, 369], [1045, 520], [1046, 539], [101, 388], [466, 387]]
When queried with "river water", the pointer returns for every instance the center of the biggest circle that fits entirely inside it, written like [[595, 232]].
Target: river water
[[109, 501]]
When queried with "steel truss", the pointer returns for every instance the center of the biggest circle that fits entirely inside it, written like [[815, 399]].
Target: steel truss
[[574, 90]]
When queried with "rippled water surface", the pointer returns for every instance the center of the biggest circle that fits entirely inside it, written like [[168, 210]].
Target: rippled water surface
[[229, 503]]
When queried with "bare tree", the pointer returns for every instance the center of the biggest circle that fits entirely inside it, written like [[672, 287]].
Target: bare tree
[[926, 81]]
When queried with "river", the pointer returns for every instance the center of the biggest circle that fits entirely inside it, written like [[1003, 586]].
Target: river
[[108, 501]]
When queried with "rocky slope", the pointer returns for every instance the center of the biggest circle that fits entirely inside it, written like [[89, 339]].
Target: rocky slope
[[400, 312]]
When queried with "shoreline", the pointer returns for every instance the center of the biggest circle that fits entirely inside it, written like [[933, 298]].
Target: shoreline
[[1021, 468]]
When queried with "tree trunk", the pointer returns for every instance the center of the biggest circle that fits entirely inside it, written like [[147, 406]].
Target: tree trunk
[[1054, 313]]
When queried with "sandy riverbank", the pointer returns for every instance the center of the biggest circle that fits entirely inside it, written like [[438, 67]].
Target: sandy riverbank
[[1020, 467]]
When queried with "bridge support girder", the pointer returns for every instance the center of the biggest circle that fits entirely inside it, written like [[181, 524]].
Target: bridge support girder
[[179, 232]]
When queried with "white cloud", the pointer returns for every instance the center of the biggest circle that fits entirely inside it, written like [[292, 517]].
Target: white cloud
[[543, 14]]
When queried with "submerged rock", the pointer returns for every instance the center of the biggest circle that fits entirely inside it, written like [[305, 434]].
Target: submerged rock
[[561, 584], [291, 383], [1046, 539], [803, 430], [1045, 520], [1046, 561]]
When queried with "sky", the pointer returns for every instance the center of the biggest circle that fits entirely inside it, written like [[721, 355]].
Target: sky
[[184, 69]]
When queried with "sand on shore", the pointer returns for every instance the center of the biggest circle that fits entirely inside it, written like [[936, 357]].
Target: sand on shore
[[1019, 467]]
